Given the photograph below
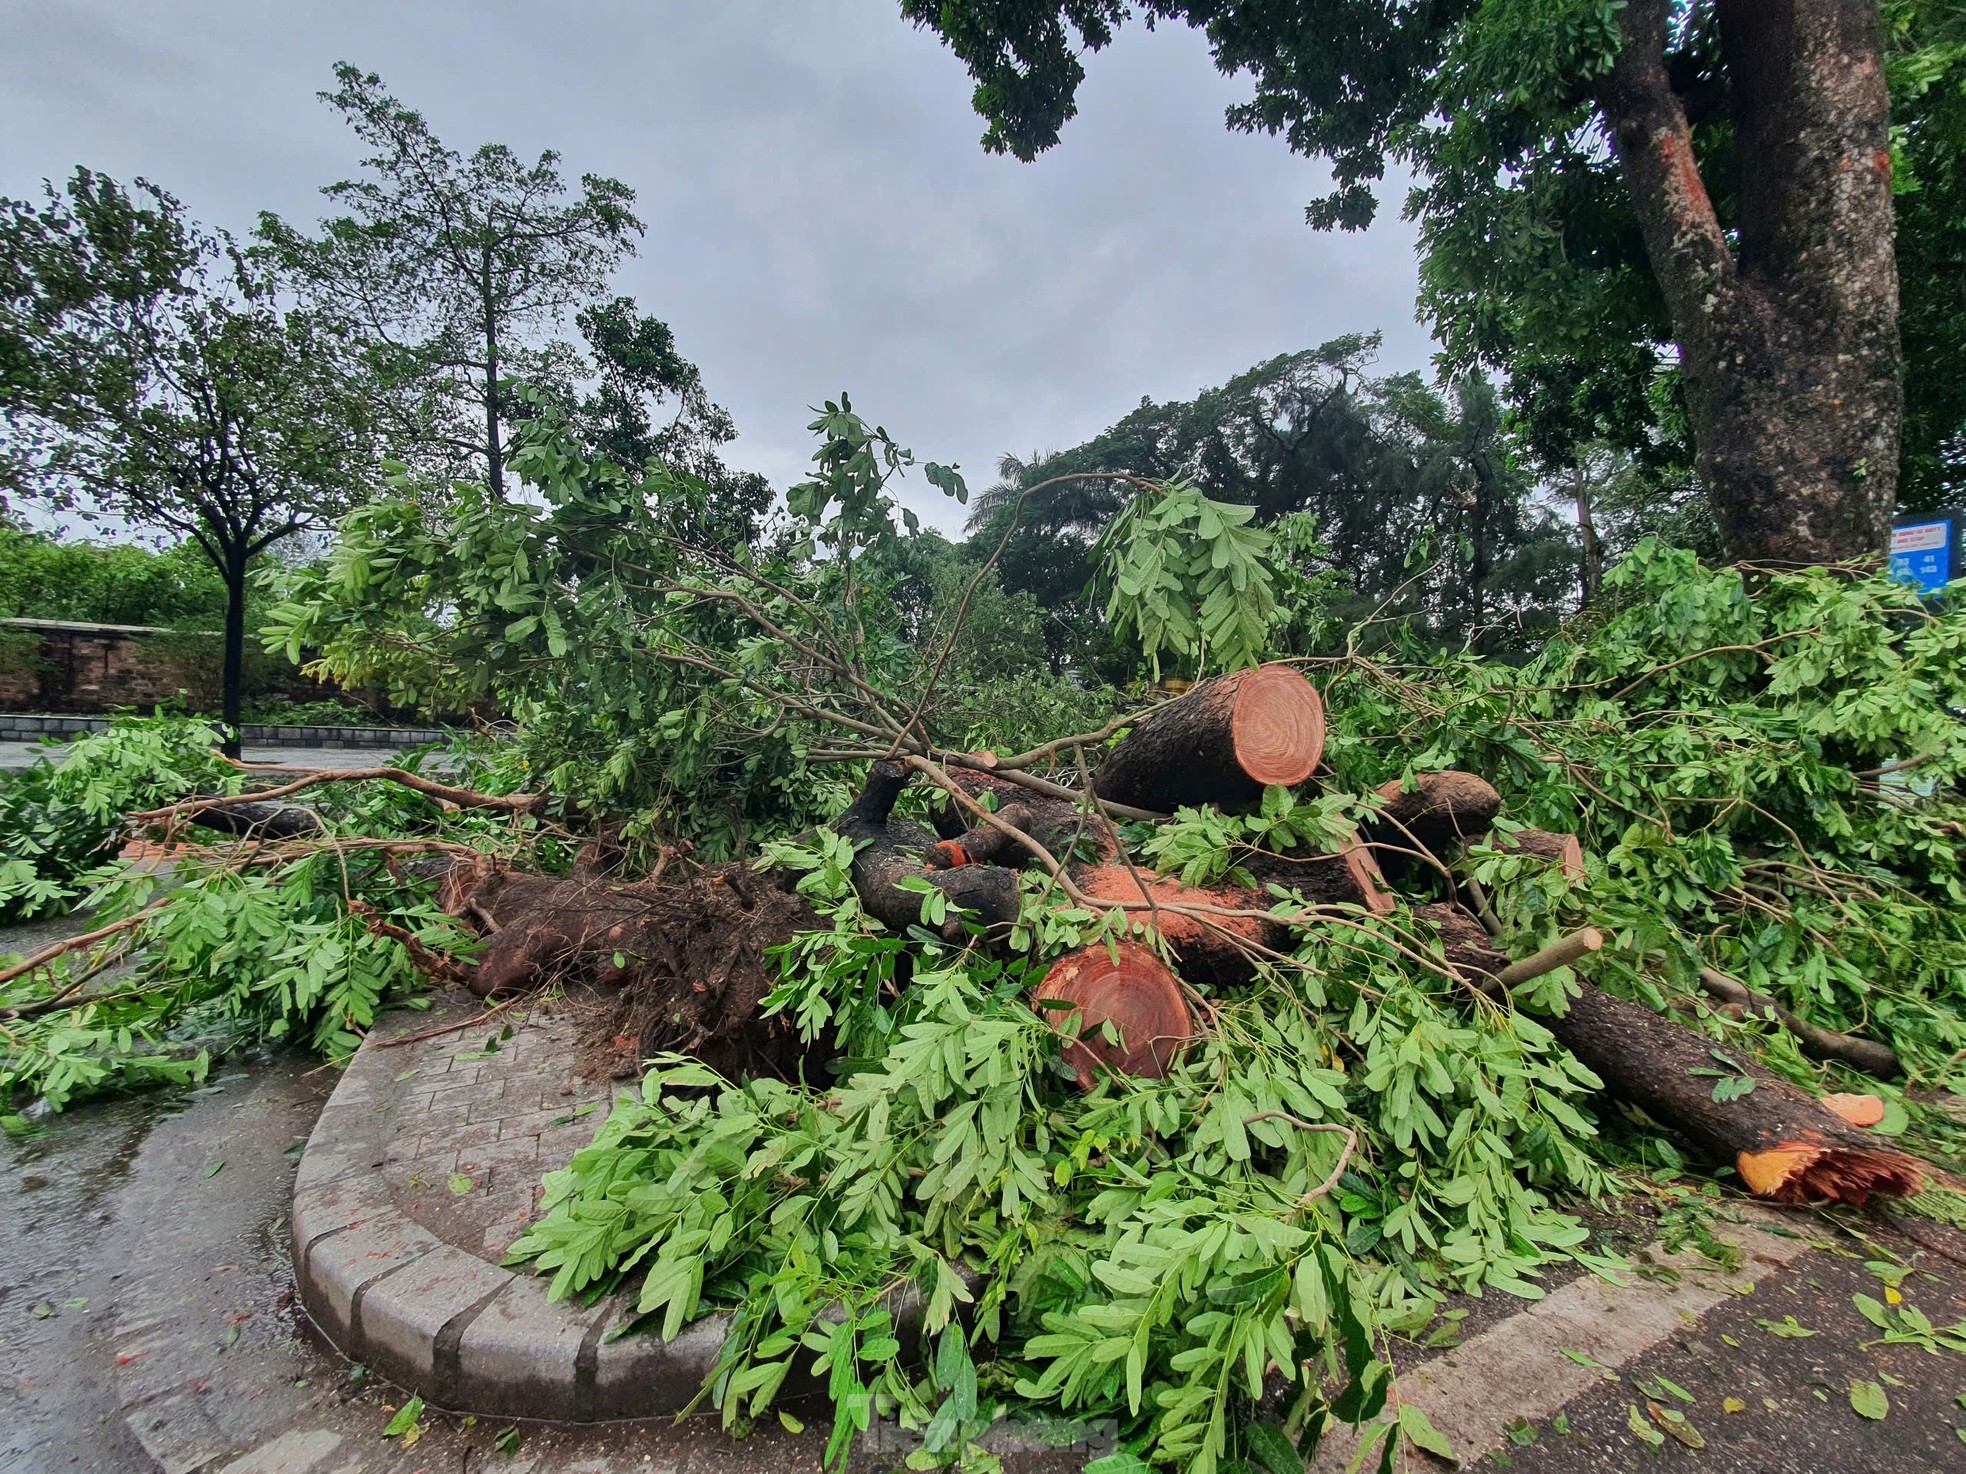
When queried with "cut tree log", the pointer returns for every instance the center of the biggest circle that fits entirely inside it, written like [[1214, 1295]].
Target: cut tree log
[[1787, 1146], [1466, 943], [1128, 988], [1219, 947], [1222, 743], [1442, 810], [1225, 929], [1565, 851], [262, 821], [1347, 876], [891, 851]]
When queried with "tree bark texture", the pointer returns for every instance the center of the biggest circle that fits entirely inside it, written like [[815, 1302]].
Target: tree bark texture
[[1440, 811], [1222, 743], [1787, 332], [1062, 827], [893, 850], [232, 679], [1786, 1144]]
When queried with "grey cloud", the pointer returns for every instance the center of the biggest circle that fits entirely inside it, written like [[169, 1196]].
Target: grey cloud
[[820, 213]]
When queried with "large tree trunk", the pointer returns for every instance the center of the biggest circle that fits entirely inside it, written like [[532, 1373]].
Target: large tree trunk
[[1786, 1144], [232, 679], [1222, 743], [494, 442], [1789, 349]]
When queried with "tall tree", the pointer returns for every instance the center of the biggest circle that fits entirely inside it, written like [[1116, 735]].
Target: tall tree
[[149, 374], [1928, 89], [1767, 240], [457, 268]]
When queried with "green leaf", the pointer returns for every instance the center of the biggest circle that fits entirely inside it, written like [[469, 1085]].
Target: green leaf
[[1635, 1420], [1869, 1400], [1272, 1449], [407, 1417], [1421, 1433]]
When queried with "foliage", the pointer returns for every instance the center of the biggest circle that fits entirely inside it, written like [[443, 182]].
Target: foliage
[[1769, 772], [1422, 508], [1189, 574], [50, 845], [682, 685], [1355, 1134], [1151, 1250], [218, 952], [1533, 262], [450, 267], [638, 370], [42, 577], [1926, 68]]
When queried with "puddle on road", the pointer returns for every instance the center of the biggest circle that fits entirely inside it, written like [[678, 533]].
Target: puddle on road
[[73, 1230]]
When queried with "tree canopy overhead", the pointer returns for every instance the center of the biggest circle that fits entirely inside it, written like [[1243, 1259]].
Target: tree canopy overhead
[[1749, 147]]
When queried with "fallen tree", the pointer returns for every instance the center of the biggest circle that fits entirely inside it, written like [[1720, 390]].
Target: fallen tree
[[1300, 1056]]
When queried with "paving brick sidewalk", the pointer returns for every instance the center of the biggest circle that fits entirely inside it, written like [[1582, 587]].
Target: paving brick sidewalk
[[423, 1168], [474, 1119]]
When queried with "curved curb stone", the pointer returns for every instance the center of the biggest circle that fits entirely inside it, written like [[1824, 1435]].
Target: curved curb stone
[[403, 1277]]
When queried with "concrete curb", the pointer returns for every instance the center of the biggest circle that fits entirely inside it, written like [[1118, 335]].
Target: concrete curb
[[444, 1319]]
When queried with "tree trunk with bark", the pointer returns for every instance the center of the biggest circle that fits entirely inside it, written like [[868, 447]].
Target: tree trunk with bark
[[1786, 318], [232, 678], [1591, 566], [1787, 1145]]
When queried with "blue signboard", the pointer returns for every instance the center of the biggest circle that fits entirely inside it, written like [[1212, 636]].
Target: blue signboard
[[1922, 552]]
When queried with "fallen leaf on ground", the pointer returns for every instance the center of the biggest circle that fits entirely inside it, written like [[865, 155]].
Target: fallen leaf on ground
[[1636, 1422], [1868, 1400]]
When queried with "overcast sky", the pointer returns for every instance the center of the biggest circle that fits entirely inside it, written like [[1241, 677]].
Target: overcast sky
[[821, 216]]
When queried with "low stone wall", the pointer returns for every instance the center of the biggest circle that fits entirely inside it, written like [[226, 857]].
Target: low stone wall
[[55, 665], [18, 727]]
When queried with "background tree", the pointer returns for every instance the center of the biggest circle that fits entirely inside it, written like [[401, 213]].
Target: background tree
[[1419, 497], [1749, 146], [1928, 90], [455, 267], [638, 374], [151, 377]]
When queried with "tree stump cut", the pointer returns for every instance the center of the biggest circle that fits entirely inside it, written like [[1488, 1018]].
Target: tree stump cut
[[1223, 743], [1129, 988]]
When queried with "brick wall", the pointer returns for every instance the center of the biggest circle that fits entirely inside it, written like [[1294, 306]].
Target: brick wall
[[50, 665], [54, 665]]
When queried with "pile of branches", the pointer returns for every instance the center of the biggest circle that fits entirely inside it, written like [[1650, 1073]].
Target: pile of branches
[[694, 957]]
